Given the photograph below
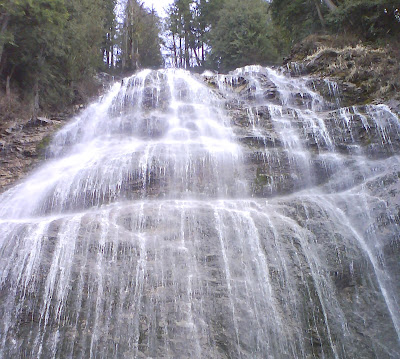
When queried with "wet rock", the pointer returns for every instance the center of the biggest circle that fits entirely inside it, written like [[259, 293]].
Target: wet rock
[[160, 251], [22, 147], [38, 121]]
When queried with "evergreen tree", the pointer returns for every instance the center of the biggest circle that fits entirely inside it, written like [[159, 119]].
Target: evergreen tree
[[242, 35], [87, 34], [151, 45], [141, 43], [189, 25], [181, 28], [48, 46], [221, 34], [366, 19], [37, 49], [297, 18]]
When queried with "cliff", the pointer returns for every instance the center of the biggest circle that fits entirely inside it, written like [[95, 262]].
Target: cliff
[[23, 139], [245, 215]]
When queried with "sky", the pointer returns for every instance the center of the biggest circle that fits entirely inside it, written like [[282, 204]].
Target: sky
[[159, 5]]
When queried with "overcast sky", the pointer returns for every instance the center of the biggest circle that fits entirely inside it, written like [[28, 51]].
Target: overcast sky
[[159, 5]]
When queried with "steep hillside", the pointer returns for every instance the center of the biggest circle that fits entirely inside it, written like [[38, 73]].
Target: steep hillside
[[366, 74]]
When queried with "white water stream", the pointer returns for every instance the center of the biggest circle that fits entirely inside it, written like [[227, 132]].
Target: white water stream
[[154, 230]]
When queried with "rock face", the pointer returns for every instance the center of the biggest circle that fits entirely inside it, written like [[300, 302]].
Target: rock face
[[364, 74], [23, 141], [218, 216], [21, 145]]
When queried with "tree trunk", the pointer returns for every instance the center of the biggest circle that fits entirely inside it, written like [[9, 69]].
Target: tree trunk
[[321, 17], [187, 56], [125, 56], [35, 109], [112, 56], [4, 25], [134, 55], [8, 91], [108, 56], [330, 4], [112, 47], [174, 49], [198, 61], [202, 54], [8, 80], [180, 51], [137, 57]]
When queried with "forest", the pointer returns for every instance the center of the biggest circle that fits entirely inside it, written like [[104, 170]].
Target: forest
[[50, 50]]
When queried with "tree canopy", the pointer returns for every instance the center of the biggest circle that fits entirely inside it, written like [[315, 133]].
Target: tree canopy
[[49, 49], [369, 20], [47, 46], [224, 34], [140, 38], [220, 34], [242, 35]]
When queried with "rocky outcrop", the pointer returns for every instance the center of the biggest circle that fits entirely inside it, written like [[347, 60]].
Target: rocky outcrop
[[23, 140], [365, 74], [22, 146], [250, 218], [299, 133]]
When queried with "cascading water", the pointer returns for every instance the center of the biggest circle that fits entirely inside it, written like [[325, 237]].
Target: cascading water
[[235, 216]]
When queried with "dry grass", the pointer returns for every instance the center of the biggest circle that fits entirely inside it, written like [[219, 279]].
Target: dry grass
[[359, 50], [372, 69]]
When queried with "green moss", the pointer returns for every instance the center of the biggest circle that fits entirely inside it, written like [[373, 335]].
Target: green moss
[[262, 179], [211, 84], [367, 101], [43, 144]]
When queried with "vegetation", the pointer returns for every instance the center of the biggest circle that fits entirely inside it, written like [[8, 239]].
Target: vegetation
[[243, 35], [140, 38], [224, 34], [50, 49], [49, 46], [221, 34], [368, 20], [371, 20]]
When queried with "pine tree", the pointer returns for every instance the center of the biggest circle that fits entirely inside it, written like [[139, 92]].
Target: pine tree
[[37, 47], [180, 26], [141, 43], [47, 46], [365, 19], [242, 35]]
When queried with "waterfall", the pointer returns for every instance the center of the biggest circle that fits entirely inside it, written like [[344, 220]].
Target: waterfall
[[208, 216]]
